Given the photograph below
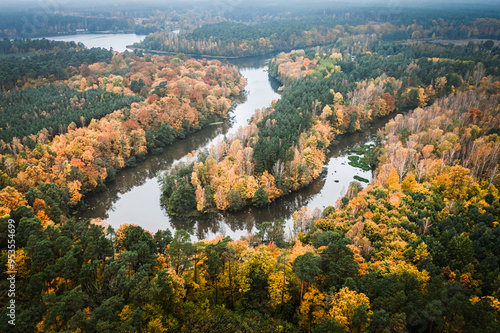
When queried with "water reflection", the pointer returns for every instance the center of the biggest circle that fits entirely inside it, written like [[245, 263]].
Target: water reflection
[[134, 197], [103, 204], [323, 192]]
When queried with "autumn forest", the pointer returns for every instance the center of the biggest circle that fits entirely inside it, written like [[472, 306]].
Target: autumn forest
[[415, 248]]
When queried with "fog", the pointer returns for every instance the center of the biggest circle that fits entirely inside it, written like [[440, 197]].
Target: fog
[[60, 5]]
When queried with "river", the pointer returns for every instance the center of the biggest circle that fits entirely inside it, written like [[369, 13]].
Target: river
[[134, 196]]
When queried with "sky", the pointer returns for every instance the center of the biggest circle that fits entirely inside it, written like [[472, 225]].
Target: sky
[[56, 5], [86, 3]]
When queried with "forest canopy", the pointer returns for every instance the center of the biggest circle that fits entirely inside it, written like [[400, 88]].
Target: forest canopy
[[415, 250]]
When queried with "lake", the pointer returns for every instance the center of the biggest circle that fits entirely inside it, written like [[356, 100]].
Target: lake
[[118, 42]]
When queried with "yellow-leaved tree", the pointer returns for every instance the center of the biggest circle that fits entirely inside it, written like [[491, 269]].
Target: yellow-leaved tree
[[457, 182], [280, 280], [312, 308], [259, 261], [345, 304], [393, 179], [10, 199], [409, 183]]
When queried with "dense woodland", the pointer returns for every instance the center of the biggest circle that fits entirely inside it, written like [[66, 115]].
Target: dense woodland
[[53, 108], [48, 66], [27, 24], [65, 138], [329, 93], [314, 27], [71, 18], [17, 25], [20, 46], [416, 250]]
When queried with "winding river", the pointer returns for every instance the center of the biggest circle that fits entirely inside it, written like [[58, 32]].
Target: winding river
[[134, 196]]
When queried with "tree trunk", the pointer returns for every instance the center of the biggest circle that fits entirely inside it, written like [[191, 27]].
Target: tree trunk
[[216, 292], [195, 278], [230, 284], [301, 291], [284, 283]]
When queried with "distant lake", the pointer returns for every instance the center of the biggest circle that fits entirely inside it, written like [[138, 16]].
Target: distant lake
[[118, 42]]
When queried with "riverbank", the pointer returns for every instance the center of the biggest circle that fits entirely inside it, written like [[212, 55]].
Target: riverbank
[[198, 56], [134, 196]]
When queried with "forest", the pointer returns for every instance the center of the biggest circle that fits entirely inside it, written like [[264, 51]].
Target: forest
[[328, 94], [20, 46], [312, 27], [416, 249], [63, 138], [40, 20], [47, 65]]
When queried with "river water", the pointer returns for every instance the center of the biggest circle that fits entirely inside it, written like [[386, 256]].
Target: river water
[[134, 196], [118, 42]]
